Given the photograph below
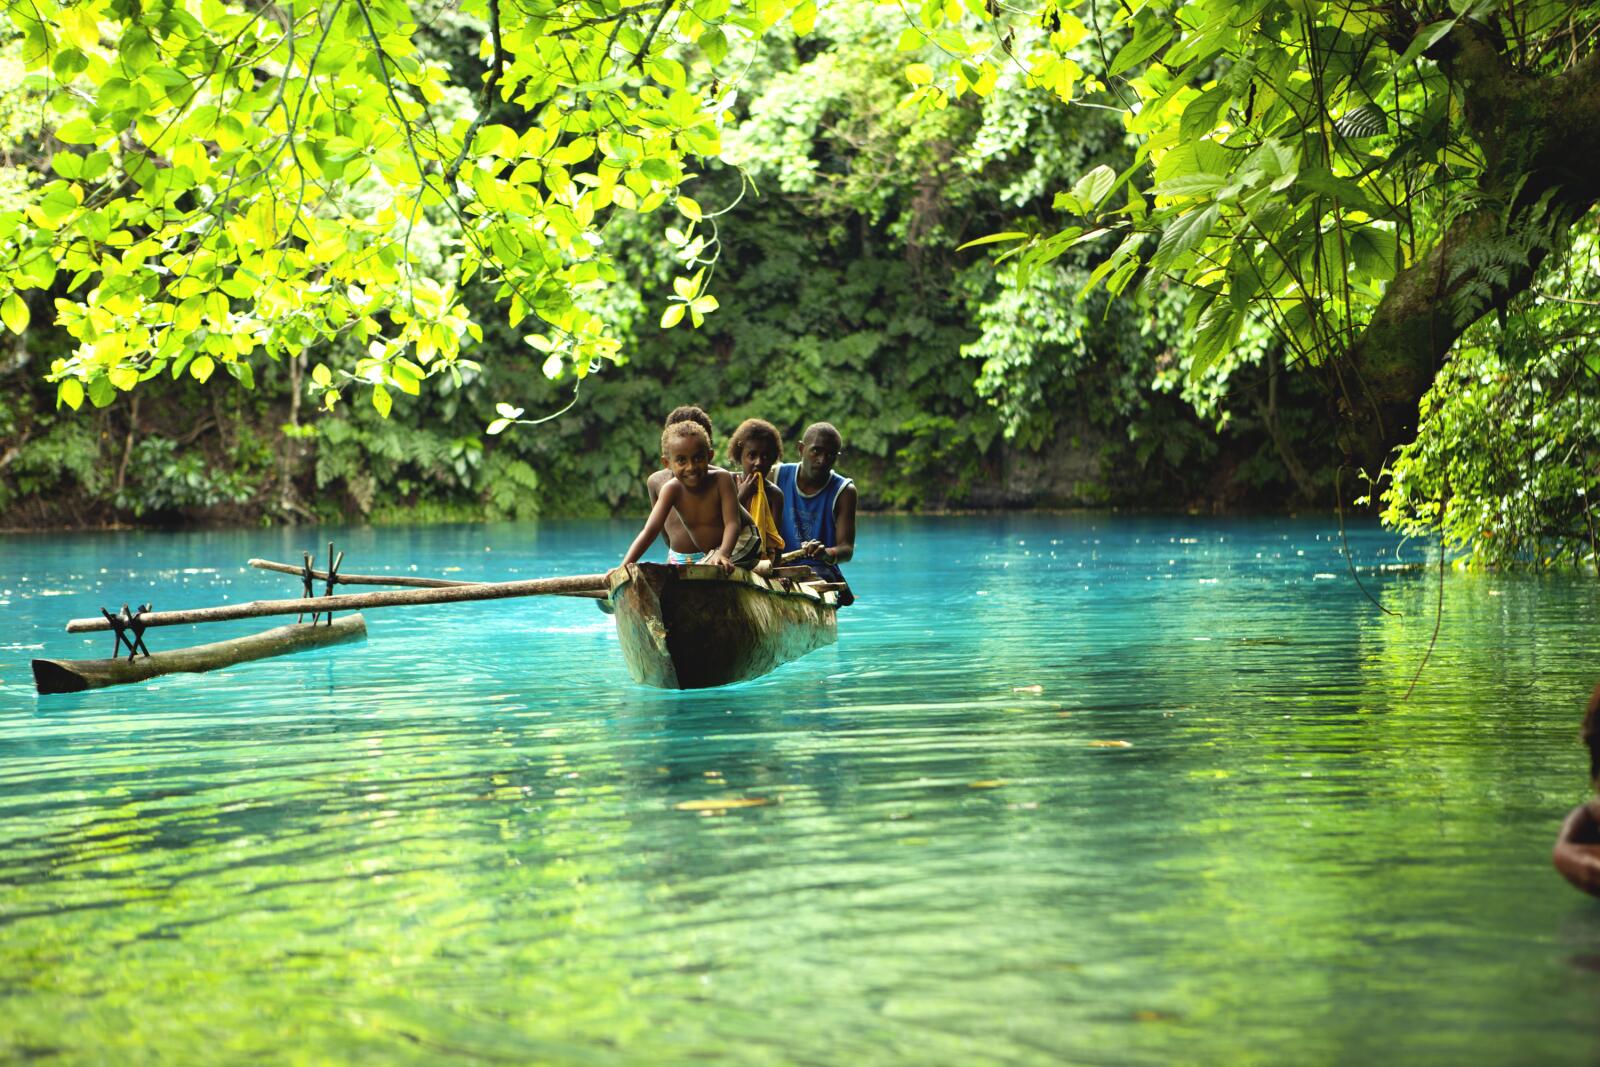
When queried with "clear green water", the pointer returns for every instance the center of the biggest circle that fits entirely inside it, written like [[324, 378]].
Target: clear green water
[[462, 842]]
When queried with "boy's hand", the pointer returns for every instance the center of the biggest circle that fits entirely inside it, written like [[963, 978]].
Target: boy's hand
[[812, 549], [715, 558]]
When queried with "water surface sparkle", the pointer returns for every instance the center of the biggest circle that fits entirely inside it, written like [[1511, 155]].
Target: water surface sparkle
[[1069, 789]]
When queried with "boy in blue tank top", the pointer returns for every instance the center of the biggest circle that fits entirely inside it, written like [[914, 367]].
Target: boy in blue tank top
[[819, 514]]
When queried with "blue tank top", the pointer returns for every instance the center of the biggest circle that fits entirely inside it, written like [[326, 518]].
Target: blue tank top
[[808, 518]]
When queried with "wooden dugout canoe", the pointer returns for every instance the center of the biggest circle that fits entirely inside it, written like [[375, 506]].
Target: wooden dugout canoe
[[76, 675], [692, 627]]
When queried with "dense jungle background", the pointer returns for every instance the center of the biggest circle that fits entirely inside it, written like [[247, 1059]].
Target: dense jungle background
[[836, 208], [843, 298]]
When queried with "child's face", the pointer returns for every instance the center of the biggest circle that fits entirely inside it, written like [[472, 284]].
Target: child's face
[[687, 459], [756, 458]]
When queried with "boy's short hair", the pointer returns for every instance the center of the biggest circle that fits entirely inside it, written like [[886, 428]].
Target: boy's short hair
[[685, 428], [690, 413], [756, 432], [823, 427]]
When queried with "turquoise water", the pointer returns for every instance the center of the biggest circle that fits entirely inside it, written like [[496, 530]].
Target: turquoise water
[[472, 840]]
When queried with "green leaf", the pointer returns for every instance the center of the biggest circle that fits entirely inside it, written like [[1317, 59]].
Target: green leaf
[[101, 392], [405, 380], [995, 238], [14, 312], [381, 400], [496, 426], [714, 45], [668, 72], [40, 270], [202, 367], [1190, 185], [1216, 333], [657, 169], [1374, 251], [1200, 115], [70, 393], [1362, 121], [1425, 39], [804, 17], [78, 131], [1348, 193], [1095, 186], [673, 315], [1148, 39], [1182, 235], [1196, 157]]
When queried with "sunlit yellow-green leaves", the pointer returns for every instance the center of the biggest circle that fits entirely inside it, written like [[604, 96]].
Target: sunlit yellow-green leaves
[[1265, 180], [688, 298], [233, 182]]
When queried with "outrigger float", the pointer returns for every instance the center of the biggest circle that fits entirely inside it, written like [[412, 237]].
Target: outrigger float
[[680, 627]]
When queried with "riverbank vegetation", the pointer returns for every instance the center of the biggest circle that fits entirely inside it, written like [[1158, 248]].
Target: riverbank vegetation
[[340, 264]]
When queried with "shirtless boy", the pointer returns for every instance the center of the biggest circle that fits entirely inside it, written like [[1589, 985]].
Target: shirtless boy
[[672, 533], [705, 501]]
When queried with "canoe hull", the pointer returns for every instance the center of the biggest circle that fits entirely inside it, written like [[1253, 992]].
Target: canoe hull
[[693, 628], [77, 675]]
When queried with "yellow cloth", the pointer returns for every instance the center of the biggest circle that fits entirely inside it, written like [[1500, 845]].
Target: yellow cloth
[[761, 512]]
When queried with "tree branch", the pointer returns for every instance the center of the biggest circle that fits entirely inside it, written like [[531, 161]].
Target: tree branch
[[491, 81]]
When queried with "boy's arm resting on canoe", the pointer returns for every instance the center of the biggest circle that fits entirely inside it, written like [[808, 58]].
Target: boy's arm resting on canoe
[[728, 498], [1577, 851], [653, 525]]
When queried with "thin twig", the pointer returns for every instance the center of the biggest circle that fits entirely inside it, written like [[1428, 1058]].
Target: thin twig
[[1438, 618], [1338, 498]]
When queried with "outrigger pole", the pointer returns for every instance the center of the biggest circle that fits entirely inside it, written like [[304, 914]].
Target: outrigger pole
[[393, 579], [394, 598], [72, 676]]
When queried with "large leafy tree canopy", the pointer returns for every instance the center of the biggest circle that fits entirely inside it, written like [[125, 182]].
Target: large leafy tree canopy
[[227, 177], [1368, 179]]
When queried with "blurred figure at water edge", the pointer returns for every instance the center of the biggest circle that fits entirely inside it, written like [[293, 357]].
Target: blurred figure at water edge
[[755, 448], [704, 499], [1577, 853], [820, 505]]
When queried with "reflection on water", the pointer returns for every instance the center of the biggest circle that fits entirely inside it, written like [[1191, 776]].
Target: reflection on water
[[1068, 789]]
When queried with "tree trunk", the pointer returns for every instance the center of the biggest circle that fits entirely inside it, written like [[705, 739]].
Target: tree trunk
[[1540, 137]]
